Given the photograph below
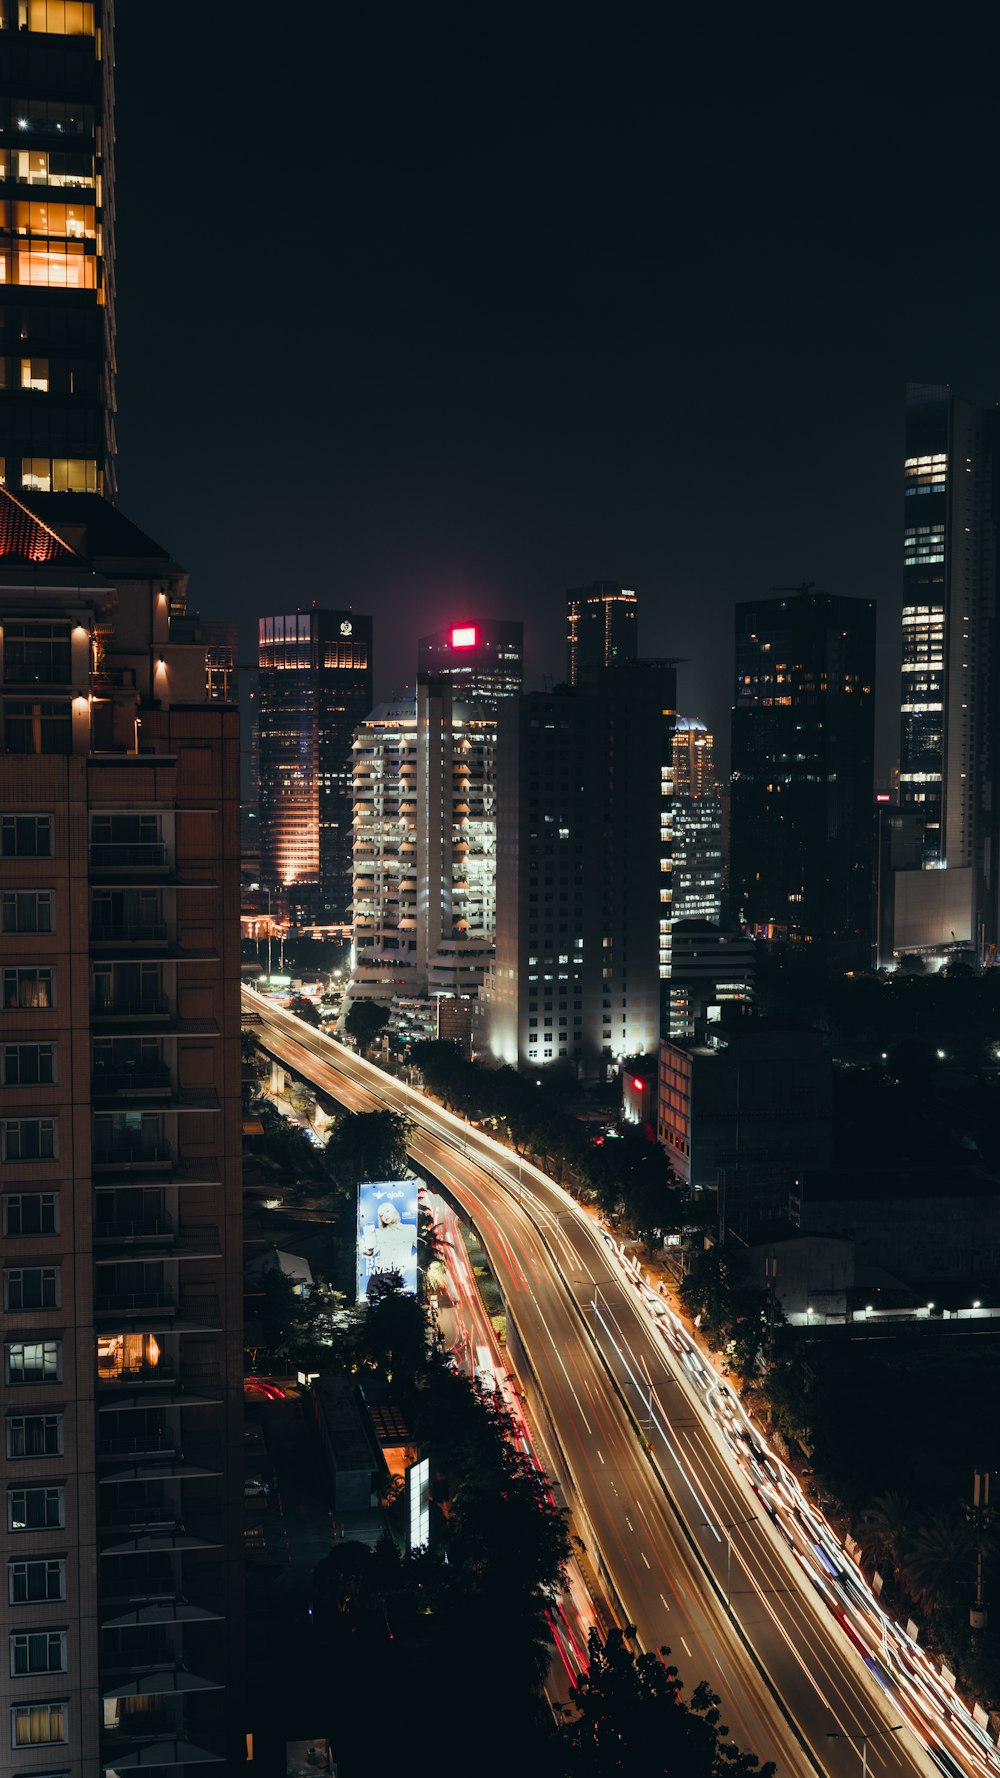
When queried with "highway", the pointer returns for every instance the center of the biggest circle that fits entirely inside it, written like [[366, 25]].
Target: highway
[[699, 1532]]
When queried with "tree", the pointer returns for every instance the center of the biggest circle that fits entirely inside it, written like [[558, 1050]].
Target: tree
[[304, 1010], [393, 1336], [940, 1560], [369, 1145], [632, 1718], [365, 1020], [884, 1528]]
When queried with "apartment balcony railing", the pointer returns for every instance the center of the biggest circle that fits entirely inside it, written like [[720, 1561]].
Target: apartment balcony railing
[[137, 855], [132, 1302], [130, 1080], [146, 1228], [118, 1006], [130, 932], [124, 1152]]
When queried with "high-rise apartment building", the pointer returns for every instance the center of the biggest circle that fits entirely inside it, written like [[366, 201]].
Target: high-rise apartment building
[[314, 687], [424, 846], [602, 629], [697, 825], [482, 661], [120, 1129], [801, 856], [584, 787], [57, 216], [948, 704]]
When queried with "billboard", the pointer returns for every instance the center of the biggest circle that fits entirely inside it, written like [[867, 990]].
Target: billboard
[[418, 1497], [387, 1234]]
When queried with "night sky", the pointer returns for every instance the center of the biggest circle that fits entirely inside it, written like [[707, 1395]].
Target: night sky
[[438, 312]]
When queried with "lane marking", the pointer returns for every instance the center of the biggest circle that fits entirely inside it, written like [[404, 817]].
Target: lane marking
[[687, 1651], [666, 1607]]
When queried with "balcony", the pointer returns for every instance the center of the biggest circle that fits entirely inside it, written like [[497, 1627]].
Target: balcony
[[130, 1006], [133, 1302], [130, 1080], [164, 1384], [144, 1228], [129, 855], [129, 934], [157, 1312], [132, 1152]]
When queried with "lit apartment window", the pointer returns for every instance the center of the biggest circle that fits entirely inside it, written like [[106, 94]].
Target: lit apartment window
[[28, 990], [33, 1361], [38, 1725], [61, 475]]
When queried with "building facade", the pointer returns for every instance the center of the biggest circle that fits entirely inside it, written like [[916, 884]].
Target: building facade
[[697, 873], [745, 1113], [424, 847], [801, 857], [120, 1125], [482, 661], [710, 968], [602, 629], [314, 687], [948, 700], [57, 222], [584, 783]]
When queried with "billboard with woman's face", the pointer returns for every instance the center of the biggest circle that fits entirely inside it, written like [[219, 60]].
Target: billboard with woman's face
[[387, 1234]]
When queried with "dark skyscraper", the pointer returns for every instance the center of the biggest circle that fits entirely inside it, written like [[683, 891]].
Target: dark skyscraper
[[948, 702], [602, 629], [483, 661], [803, 743], [57, 283], [315, 686]]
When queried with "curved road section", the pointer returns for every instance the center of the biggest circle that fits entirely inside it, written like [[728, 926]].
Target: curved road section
[[698, 1530]]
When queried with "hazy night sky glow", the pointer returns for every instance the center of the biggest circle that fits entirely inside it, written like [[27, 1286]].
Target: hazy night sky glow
[[438, 314]]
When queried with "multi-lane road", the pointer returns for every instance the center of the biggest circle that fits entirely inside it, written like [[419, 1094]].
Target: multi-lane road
[[699, 1533]]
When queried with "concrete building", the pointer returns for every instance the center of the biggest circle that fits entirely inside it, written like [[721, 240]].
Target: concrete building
[[746, 1112], [709, 970], [949, 719], [928, 1225], [584, 782], [57, 247], [424, 847], [314, 687], [602, 630], [120, 1125], [801, 865], [482, 661]]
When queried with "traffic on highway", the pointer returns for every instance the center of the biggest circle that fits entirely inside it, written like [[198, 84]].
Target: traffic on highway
[[700, 1533]]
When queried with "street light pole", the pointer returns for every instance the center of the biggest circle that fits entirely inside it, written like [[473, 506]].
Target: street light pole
[[864, 1738]]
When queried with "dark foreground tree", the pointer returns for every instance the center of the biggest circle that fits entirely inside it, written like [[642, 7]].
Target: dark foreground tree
[[632, 1719], [368, 1145], [365, 1021], [305, 1010]]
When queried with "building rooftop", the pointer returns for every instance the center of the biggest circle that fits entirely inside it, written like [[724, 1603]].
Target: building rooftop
[[24, 537], [92, 528], [873, 1183]]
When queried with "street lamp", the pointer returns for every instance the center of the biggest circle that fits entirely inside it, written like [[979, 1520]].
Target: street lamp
[[729, 1529], [868, 1735]]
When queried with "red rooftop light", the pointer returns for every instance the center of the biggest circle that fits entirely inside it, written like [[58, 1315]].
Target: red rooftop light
[[464, 638]]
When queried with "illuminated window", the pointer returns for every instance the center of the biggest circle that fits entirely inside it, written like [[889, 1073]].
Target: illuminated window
[[36, 1725], [74, 222], [35, 374], [57, 18], [61, 265], [60, 475], [35, 167]]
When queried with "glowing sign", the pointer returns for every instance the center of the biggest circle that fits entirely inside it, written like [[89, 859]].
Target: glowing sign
[[418, 1496], [464, 638], [387, 1234]]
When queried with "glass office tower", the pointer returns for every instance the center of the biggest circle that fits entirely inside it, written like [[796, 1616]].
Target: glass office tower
[[57, 286], [315, 687]]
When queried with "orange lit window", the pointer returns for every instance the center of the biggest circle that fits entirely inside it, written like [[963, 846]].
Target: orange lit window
[[66, 266], [126, 1355], [57, 18], [76, 222]]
